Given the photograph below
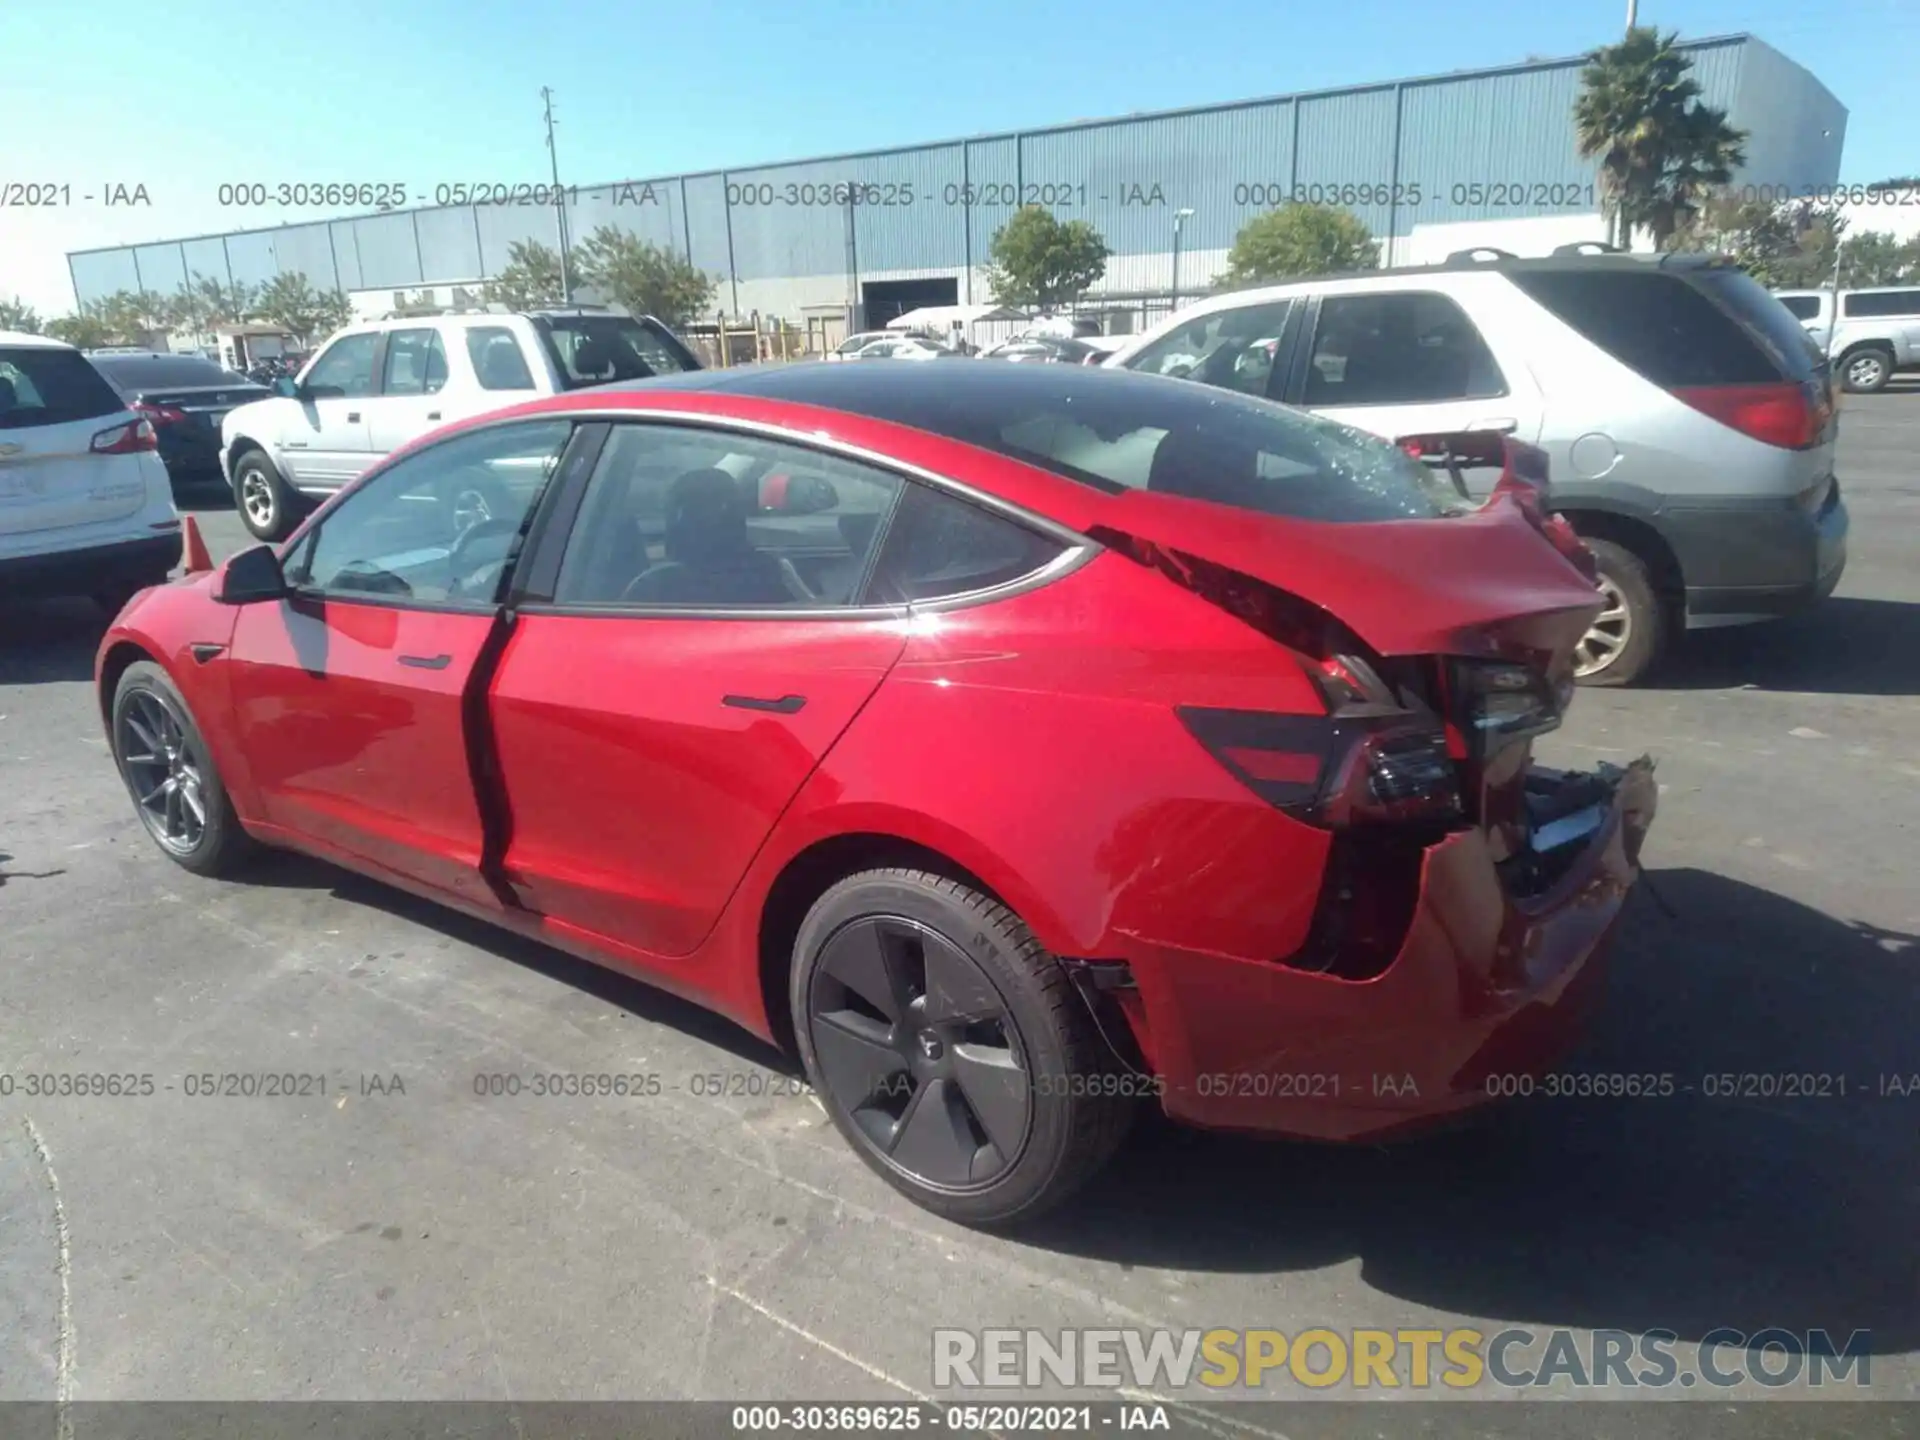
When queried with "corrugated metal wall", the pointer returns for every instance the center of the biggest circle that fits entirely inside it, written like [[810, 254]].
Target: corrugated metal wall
[[1475, 147]]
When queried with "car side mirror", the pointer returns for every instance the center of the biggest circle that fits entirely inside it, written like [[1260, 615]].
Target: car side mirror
[[286, 387], [251, 576]]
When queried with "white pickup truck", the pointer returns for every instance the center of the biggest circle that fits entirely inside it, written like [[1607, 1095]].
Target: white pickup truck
[[375, 386]]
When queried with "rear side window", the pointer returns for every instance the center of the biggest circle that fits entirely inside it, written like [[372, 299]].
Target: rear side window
[[498, 362], [1801, 307], [51, 387], [1667, 331], [416, 363], [939, 546], [1884, 302], [1405, 348]]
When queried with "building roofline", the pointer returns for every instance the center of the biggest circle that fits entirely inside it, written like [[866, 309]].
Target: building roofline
[[1219, 107]]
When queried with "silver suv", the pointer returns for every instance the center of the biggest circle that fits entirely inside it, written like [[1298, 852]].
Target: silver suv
[[1879, 331], [1688, 420]]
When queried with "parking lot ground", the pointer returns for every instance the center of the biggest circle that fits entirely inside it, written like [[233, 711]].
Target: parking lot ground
[[401, 1236]]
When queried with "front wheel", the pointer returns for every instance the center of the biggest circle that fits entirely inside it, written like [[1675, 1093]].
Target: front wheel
[[950, 1049], [267, 504], [1630, 631], [169, 771]]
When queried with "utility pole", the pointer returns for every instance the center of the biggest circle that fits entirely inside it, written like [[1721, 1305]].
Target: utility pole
[[559, 203]]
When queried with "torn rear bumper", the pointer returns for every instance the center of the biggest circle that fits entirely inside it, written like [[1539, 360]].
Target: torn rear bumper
[[1493, 979]]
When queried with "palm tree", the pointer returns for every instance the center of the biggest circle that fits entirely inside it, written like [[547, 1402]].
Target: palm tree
[[1639, 113]]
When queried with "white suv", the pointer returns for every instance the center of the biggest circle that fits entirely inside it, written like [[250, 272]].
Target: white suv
[[1879, 331], [85, 505], [374, 387]]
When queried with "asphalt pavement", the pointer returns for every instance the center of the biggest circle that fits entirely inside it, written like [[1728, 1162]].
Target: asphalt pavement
[[396, 1235]]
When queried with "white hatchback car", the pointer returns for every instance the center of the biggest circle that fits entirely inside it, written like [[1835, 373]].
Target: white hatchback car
[[85, 504]]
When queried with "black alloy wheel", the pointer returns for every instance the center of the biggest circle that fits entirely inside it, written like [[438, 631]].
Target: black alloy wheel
[[918, 1049], [951, 1049]]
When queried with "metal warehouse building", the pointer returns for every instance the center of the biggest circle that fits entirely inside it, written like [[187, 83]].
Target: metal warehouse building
[[1434, 165]]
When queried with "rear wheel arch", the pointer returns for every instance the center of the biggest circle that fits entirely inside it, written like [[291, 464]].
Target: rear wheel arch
[[1644, 540], [810, 874]]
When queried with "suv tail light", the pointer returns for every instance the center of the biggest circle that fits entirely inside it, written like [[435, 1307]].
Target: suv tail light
[[127, 439], [160, 414], [1791, 416], [1337, 771]]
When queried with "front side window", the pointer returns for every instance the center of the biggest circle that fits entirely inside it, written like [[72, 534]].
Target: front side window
[[1234, 349], [498, 361], [706, 519], [345, 368], [1398, 348], [438, 526], [416, 363]]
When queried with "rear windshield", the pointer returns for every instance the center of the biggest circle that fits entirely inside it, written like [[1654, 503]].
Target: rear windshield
[[1670, 332], [137, 373], [599, 349], [1118, 431], [45, 386]]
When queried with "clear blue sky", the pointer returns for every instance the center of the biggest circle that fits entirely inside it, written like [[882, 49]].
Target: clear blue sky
[[181, 97]]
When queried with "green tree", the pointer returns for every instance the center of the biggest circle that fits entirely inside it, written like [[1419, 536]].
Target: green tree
[[1874, 257], [1297, 241], [308, 314], [17, 315], [531, 278], [134, 314], [1042, 263], [86, 328], [1661, 150], [644, 278], [1786, 246]]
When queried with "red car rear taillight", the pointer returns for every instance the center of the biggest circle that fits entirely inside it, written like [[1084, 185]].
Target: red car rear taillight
[[160, 414], [1337, 771]]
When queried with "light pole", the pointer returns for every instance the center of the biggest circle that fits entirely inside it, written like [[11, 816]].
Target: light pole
[[1633, 13], [1179, 219]]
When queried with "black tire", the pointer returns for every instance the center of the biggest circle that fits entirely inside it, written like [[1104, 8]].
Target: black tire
[[268, 506], [1041, 1050], [1636, 638], [220, 846], [1866, 369]]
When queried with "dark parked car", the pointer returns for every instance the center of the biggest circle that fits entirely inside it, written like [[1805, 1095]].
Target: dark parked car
[[185, 397]]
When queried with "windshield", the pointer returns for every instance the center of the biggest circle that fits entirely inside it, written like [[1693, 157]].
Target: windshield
[[599, 349]]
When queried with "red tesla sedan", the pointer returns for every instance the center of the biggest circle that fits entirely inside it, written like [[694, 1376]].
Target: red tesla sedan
[[1014, 742]]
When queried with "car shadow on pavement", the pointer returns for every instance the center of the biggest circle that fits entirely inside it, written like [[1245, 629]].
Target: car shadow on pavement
[[49, 640], [1843, 646], [646, 1002], [1685, 1213]]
